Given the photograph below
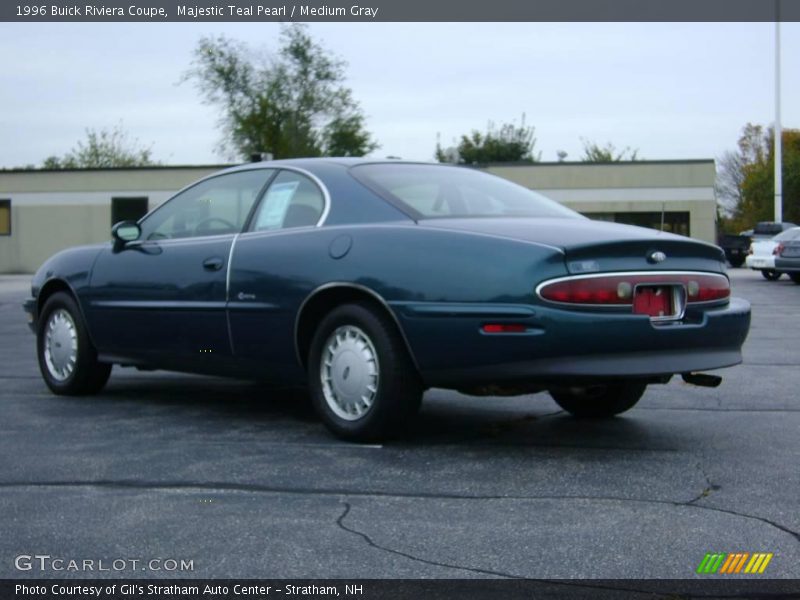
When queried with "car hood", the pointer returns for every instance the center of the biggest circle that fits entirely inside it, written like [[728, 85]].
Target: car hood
[[583, 238]]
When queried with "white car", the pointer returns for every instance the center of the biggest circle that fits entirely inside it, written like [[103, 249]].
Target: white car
[[761, 258]]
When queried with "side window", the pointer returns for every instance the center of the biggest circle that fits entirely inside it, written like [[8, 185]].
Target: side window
[[292, 200], [217, 206]]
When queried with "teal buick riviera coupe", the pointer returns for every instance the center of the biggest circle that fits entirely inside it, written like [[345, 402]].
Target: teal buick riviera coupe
[[370, 282]]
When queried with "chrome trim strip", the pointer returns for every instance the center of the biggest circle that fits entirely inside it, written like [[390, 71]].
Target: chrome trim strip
[[181, 241], [228, 273], [466, 310], [252, 167], [356, 286], [325, 194], [228, 294], [159, 304], [623, 274]]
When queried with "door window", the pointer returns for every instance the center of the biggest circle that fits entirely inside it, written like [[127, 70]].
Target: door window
[[292, 200], [216, 206]]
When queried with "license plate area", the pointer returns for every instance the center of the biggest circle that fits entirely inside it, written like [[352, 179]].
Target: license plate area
[[659, 302]]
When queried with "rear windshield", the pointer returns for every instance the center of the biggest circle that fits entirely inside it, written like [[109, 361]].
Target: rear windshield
[[789, 234], [431, 191], [769, 228]]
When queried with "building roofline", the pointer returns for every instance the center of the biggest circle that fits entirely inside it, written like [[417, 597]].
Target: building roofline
[[114, 169], [573, 163], [351, 161]]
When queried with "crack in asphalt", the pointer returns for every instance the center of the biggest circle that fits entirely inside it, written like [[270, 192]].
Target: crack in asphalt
[[262, 489], [372, 544], [582, 585], [710, 486]]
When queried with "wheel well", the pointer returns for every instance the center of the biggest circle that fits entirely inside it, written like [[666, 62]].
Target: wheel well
[[50, 288], [323, 302]]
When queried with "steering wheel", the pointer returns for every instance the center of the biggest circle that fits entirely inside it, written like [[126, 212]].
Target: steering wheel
[[204, 225]]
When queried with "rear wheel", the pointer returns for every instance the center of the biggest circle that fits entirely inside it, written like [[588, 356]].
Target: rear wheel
[[795, 277], [363, 383], [598, 401], [67, 359], [771, 275]]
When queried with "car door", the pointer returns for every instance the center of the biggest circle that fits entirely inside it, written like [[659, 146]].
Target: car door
[[161, 299], [274, 265]]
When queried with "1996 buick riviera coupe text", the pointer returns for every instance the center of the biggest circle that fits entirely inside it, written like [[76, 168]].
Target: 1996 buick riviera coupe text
[[372, 281]]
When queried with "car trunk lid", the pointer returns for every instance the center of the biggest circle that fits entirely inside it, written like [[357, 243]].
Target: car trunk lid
[[598, 246]]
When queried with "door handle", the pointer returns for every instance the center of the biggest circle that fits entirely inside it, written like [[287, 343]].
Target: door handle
[[213, 264]]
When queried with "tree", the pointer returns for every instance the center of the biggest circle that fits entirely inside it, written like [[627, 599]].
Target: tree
[[508, 143], [731, 172], [593, 152], [294, 104], [746, 183], [103, 149]]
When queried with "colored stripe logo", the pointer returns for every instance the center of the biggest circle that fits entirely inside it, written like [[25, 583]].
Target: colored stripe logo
[[722, 563]]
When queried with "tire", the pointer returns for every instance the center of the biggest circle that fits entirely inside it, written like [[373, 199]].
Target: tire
[[363, 383], [75, 371], [795, 277], [736, 262], [770, 274], [599, 401]]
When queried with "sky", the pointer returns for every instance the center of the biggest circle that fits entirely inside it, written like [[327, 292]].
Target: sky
[[670, 90]]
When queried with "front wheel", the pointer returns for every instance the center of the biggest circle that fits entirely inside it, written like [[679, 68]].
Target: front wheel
[[598, 401], [363, 383], [67, 359], [771, 275]]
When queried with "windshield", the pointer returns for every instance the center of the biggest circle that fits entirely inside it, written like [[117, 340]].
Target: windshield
[[789, 234], [431, 191]]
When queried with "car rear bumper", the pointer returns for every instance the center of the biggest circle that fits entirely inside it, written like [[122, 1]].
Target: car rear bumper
[[787, 264], [451, 351], [760, 262], [29, 306]]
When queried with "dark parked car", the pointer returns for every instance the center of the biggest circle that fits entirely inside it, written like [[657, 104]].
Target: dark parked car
[[787, 258], [372, 281], [735, 248]]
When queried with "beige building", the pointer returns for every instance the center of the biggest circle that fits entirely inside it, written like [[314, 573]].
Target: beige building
[[42, 212], [676, 196]]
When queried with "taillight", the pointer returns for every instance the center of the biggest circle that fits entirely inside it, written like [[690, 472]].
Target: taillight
[[776, 251], [618, 289], [504, 328]]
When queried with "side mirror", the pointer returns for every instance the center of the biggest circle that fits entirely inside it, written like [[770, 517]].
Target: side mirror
[[125, 231]]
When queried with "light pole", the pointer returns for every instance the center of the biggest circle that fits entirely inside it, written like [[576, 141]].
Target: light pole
[[778, 131]]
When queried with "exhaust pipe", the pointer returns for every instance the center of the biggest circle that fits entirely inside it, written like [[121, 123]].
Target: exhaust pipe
[[702, 379]]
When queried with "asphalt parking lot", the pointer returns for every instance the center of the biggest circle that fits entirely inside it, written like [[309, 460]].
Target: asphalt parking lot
[[246, 483]]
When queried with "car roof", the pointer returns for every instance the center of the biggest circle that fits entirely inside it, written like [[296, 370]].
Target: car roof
[[344, 161]]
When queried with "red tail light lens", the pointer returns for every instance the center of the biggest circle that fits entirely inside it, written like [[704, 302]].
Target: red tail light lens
[[776, 251], [617, 289], [504, 328]]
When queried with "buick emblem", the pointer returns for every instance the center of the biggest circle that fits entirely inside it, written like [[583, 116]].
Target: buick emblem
[[657, 257]]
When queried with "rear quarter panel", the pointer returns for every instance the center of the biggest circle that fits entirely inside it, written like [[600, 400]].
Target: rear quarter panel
[[411, 268]]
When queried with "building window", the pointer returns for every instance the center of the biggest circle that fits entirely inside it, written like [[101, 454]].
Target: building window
[[5, 217], [673, 221], [128, 209]]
